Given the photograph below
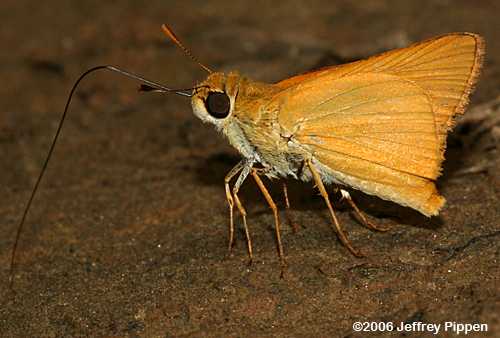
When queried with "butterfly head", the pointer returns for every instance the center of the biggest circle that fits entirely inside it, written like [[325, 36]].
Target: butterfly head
[[213, 100]]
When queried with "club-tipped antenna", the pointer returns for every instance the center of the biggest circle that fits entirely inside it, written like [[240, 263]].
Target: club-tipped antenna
[[171, 35], [149, 85]]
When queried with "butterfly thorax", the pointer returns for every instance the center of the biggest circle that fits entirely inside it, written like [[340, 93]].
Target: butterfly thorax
[[251, 125]]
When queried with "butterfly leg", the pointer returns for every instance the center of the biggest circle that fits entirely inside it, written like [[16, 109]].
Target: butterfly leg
[[247, 167], [360, 214], [287, 209], [236, 169], [273, 207], [324, 194]]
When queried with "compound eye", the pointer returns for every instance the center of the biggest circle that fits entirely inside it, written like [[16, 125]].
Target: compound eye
[[218, 104]]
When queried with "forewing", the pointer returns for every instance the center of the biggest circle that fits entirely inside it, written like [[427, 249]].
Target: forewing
[[373, 131], [446, 67]]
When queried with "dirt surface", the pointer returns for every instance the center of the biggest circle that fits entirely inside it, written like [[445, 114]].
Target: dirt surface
[[128, 234]]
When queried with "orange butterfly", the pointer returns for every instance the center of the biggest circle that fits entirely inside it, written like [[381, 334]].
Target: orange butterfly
[[377, 125]]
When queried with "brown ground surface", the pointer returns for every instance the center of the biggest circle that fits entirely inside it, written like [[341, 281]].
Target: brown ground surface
[[127, 236]]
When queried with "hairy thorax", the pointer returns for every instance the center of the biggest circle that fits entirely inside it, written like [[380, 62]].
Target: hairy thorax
[[257, 134]]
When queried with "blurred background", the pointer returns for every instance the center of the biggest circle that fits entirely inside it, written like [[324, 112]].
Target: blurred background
[[128, 234]]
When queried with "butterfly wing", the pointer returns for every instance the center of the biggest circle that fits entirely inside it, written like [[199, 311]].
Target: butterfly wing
[[380, 125], [446, 67]]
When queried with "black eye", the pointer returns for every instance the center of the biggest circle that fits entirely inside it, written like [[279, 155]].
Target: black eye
[[217, 104]]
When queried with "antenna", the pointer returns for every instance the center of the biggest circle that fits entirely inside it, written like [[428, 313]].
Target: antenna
[[171, 35]]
